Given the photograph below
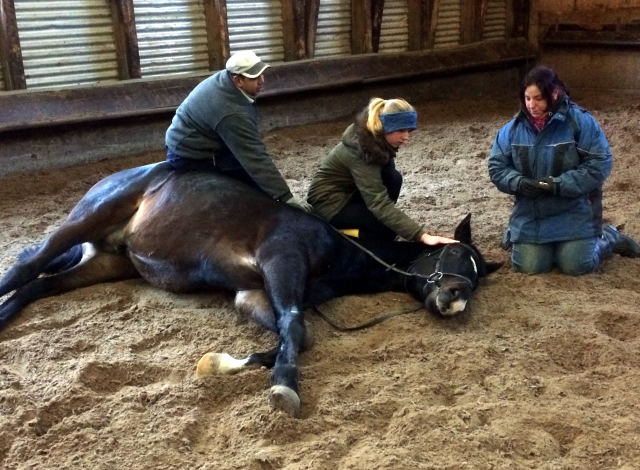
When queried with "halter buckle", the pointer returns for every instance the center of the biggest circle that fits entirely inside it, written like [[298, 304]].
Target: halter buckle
[[435, 278]]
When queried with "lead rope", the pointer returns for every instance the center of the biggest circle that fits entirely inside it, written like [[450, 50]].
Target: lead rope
[[362, 326]]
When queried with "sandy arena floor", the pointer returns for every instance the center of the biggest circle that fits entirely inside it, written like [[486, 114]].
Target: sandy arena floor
[[542, 373]]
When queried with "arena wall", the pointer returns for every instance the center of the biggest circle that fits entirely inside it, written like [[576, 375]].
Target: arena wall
[[592, 44]]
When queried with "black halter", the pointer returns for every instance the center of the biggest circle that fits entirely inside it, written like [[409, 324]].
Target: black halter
[[437, 276]]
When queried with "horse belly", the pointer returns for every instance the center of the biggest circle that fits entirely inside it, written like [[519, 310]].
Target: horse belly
[[188, 275]]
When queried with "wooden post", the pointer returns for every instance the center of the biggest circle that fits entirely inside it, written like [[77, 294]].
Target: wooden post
[[520, 14], [432, 22], [361, 35], [126, 39], [467, 23], [10, 51], [415, 25], [472, 20], [311, 21], [215, 12], [294, 31], [480, 17], [377, 9]]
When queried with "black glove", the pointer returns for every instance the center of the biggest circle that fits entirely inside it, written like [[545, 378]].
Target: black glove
[[530, 188], [550, 185]]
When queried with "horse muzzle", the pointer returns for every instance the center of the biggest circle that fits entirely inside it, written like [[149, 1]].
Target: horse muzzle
[[448, 301]]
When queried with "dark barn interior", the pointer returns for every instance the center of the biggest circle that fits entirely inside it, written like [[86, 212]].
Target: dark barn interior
[[543, 372]]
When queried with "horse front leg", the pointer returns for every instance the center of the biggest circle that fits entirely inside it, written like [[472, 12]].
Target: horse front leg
[[285, 282], [253, 304]]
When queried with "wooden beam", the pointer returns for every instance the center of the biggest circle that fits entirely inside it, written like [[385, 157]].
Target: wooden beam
[[377, 10], [592, 18], [10, 51], [361, 35], [293, 25], [215, 12], [37, 108], [311, 21], [619, 39], [126, 39]]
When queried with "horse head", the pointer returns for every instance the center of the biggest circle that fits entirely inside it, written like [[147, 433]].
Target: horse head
[[444, 279]]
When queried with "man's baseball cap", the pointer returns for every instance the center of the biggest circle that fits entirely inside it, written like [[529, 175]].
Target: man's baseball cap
[[246, 63]]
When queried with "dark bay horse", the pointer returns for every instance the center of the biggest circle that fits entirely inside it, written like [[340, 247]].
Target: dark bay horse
[[185, 232]]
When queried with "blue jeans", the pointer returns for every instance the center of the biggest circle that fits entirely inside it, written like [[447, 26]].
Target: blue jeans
[[573, 257]]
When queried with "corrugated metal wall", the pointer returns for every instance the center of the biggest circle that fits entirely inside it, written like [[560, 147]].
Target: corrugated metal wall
[[256, 26], [448, 24], [66, 42], [333, 37], [172, 37], [71, 42], [394, 33], [495, 20]]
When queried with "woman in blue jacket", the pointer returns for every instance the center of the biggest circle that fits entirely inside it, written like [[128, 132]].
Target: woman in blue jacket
[[554, 157]]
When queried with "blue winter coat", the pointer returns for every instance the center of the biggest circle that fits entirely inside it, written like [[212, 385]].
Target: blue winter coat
[[571, 147]]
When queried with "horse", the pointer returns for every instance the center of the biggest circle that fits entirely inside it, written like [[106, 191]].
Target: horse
[[195, 231]]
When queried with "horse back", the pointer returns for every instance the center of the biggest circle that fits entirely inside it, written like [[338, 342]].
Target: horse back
[[218, 230]]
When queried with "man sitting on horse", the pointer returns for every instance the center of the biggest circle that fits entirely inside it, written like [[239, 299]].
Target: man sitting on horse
[[216, 129]]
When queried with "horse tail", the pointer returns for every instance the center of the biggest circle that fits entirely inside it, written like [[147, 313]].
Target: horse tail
[[60, 263]]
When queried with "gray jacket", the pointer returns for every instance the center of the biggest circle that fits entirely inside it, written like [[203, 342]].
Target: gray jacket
[[217, 121]]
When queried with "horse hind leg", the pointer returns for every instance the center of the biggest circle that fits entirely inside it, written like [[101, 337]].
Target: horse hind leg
[[94, 268], [104, 208], [68, 235]]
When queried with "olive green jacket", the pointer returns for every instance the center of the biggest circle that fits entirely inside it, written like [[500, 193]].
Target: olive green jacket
[[354, 165]]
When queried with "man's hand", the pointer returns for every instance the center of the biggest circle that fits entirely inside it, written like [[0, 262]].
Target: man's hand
[[530, 188], [550, 185], [300, 204]]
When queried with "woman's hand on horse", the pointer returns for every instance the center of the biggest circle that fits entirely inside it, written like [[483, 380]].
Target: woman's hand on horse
[[435, 239]]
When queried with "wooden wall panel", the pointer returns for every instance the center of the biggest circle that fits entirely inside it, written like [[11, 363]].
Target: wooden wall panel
[[10, 52], [126, 39], [215, 12]]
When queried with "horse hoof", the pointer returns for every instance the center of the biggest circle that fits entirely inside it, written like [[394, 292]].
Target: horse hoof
[[216, 364], [285, 399]]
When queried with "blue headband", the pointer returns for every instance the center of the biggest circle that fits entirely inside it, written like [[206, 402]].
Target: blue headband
[[392, 122]]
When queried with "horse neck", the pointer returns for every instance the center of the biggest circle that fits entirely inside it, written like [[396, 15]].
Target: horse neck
[[374, 274]]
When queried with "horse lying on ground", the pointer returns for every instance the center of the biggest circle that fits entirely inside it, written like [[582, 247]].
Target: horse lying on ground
[[196, 231]]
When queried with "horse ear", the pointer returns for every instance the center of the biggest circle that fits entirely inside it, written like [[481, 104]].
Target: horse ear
[[463, 230]]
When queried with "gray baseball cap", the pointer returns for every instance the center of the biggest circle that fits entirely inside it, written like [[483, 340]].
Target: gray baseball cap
[[246, 63]]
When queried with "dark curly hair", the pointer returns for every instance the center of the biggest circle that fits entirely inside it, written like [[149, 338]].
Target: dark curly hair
[[547, 80]]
